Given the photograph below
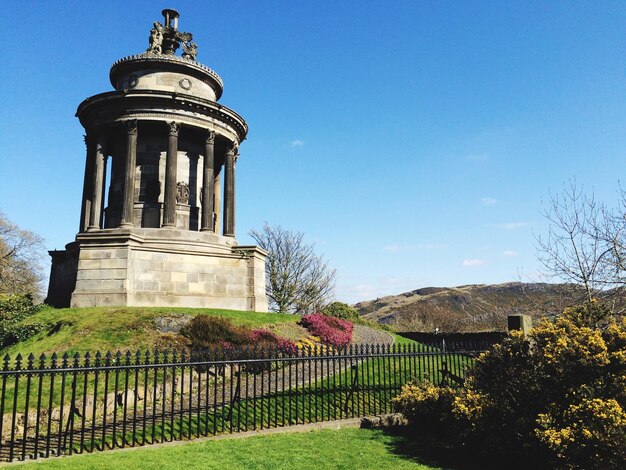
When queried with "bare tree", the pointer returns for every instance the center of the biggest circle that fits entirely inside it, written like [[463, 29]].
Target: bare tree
[[20, 257], [297, 280], [586, 243]]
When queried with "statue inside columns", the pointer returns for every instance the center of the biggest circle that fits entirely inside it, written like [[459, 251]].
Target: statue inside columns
[[156, 38], [182, 193]]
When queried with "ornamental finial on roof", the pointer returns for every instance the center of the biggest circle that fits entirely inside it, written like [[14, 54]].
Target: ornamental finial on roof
[[165, 38]]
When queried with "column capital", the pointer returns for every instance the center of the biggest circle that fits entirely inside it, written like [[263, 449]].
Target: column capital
[[173, 128], [210, 137], [232, 149], [131, 127]]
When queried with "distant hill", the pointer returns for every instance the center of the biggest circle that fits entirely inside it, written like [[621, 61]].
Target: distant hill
[[468, 308]]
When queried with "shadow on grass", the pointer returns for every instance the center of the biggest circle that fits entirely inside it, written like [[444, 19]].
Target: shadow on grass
[[407, 444], [420, 448]]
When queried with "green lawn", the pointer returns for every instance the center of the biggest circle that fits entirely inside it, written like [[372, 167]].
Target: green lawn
[[326, 449]]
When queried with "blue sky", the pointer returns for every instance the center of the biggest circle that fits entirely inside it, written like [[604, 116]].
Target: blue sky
[[413, 142]]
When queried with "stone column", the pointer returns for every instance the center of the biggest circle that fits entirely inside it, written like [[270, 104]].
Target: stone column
[[207, 183], [95, 213], [217, 199], [104, 189], [87, 181], [229, 192], [128, 207], [171, 165]]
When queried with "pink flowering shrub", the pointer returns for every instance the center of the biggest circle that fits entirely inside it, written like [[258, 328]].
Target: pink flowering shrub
[[267, 338], [332, 331]]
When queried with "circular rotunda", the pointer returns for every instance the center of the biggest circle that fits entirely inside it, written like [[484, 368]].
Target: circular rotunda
[[157, 224]]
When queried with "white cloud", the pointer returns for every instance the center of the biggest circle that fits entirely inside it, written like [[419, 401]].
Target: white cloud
[[296, 143], [488, 201], [473, 262], [391, 248], [509, 253], [513, 225]]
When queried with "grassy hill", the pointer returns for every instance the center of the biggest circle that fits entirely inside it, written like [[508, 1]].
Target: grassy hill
[[468, 308], [129, 328]]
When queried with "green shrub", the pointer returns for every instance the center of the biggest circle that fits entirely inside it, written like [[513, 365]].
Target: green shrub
[[22, 332], [208, 332], [340, 310], [13, 309], [554, 400]]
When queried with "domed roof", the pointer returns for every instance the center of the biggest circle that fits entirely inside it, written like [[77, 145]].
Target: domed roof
[[159, 68]]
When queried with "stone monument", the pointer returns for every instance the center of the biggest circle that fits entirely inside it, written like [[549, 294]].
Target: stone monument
[[157, 223]]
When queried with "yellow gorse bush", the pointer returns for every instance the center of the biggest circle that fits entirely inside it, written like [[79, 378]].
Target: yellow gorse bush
[[558, 397]]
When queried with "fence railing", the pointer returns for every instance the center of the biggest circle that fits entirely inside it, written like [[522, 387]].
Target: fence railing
[[75, 404]]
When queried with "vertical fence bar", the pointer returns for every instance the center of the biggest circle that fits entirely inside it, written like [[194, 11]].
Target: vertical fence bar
[[29, 368], [115, 398], [60, 440], [254, 393], [181, 415], [69, 428], [223, 368], [5, 374], [198, 393], [310, 382], [163, 391], [134, 439], [240, 367], [285, 364], [107, 365], [85, 375], [396, 350], [18, 366], [154, 396], [362, 390], [205, 358], [303, 388], [339, 359], [315, 383], [95, 400], [173, 395], [42, 365], [215, 397], [125, 401]]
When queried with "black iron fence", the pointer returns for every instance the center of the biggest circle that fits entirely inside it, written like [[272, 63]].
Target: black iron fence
[[75, 404]]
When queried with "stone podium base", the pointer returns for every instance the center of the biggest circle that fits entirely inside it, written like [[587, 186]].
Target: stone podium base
[[143, 267]]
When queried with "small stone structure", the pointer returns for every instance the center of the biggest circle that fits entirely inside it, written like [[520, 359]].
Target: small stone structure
[[523, 323], [157, 224]]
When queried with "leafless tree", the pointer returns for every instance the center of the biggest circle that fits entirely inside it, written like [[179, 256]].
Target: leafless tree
[[20, 257], [586, 243], [297, 280]]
